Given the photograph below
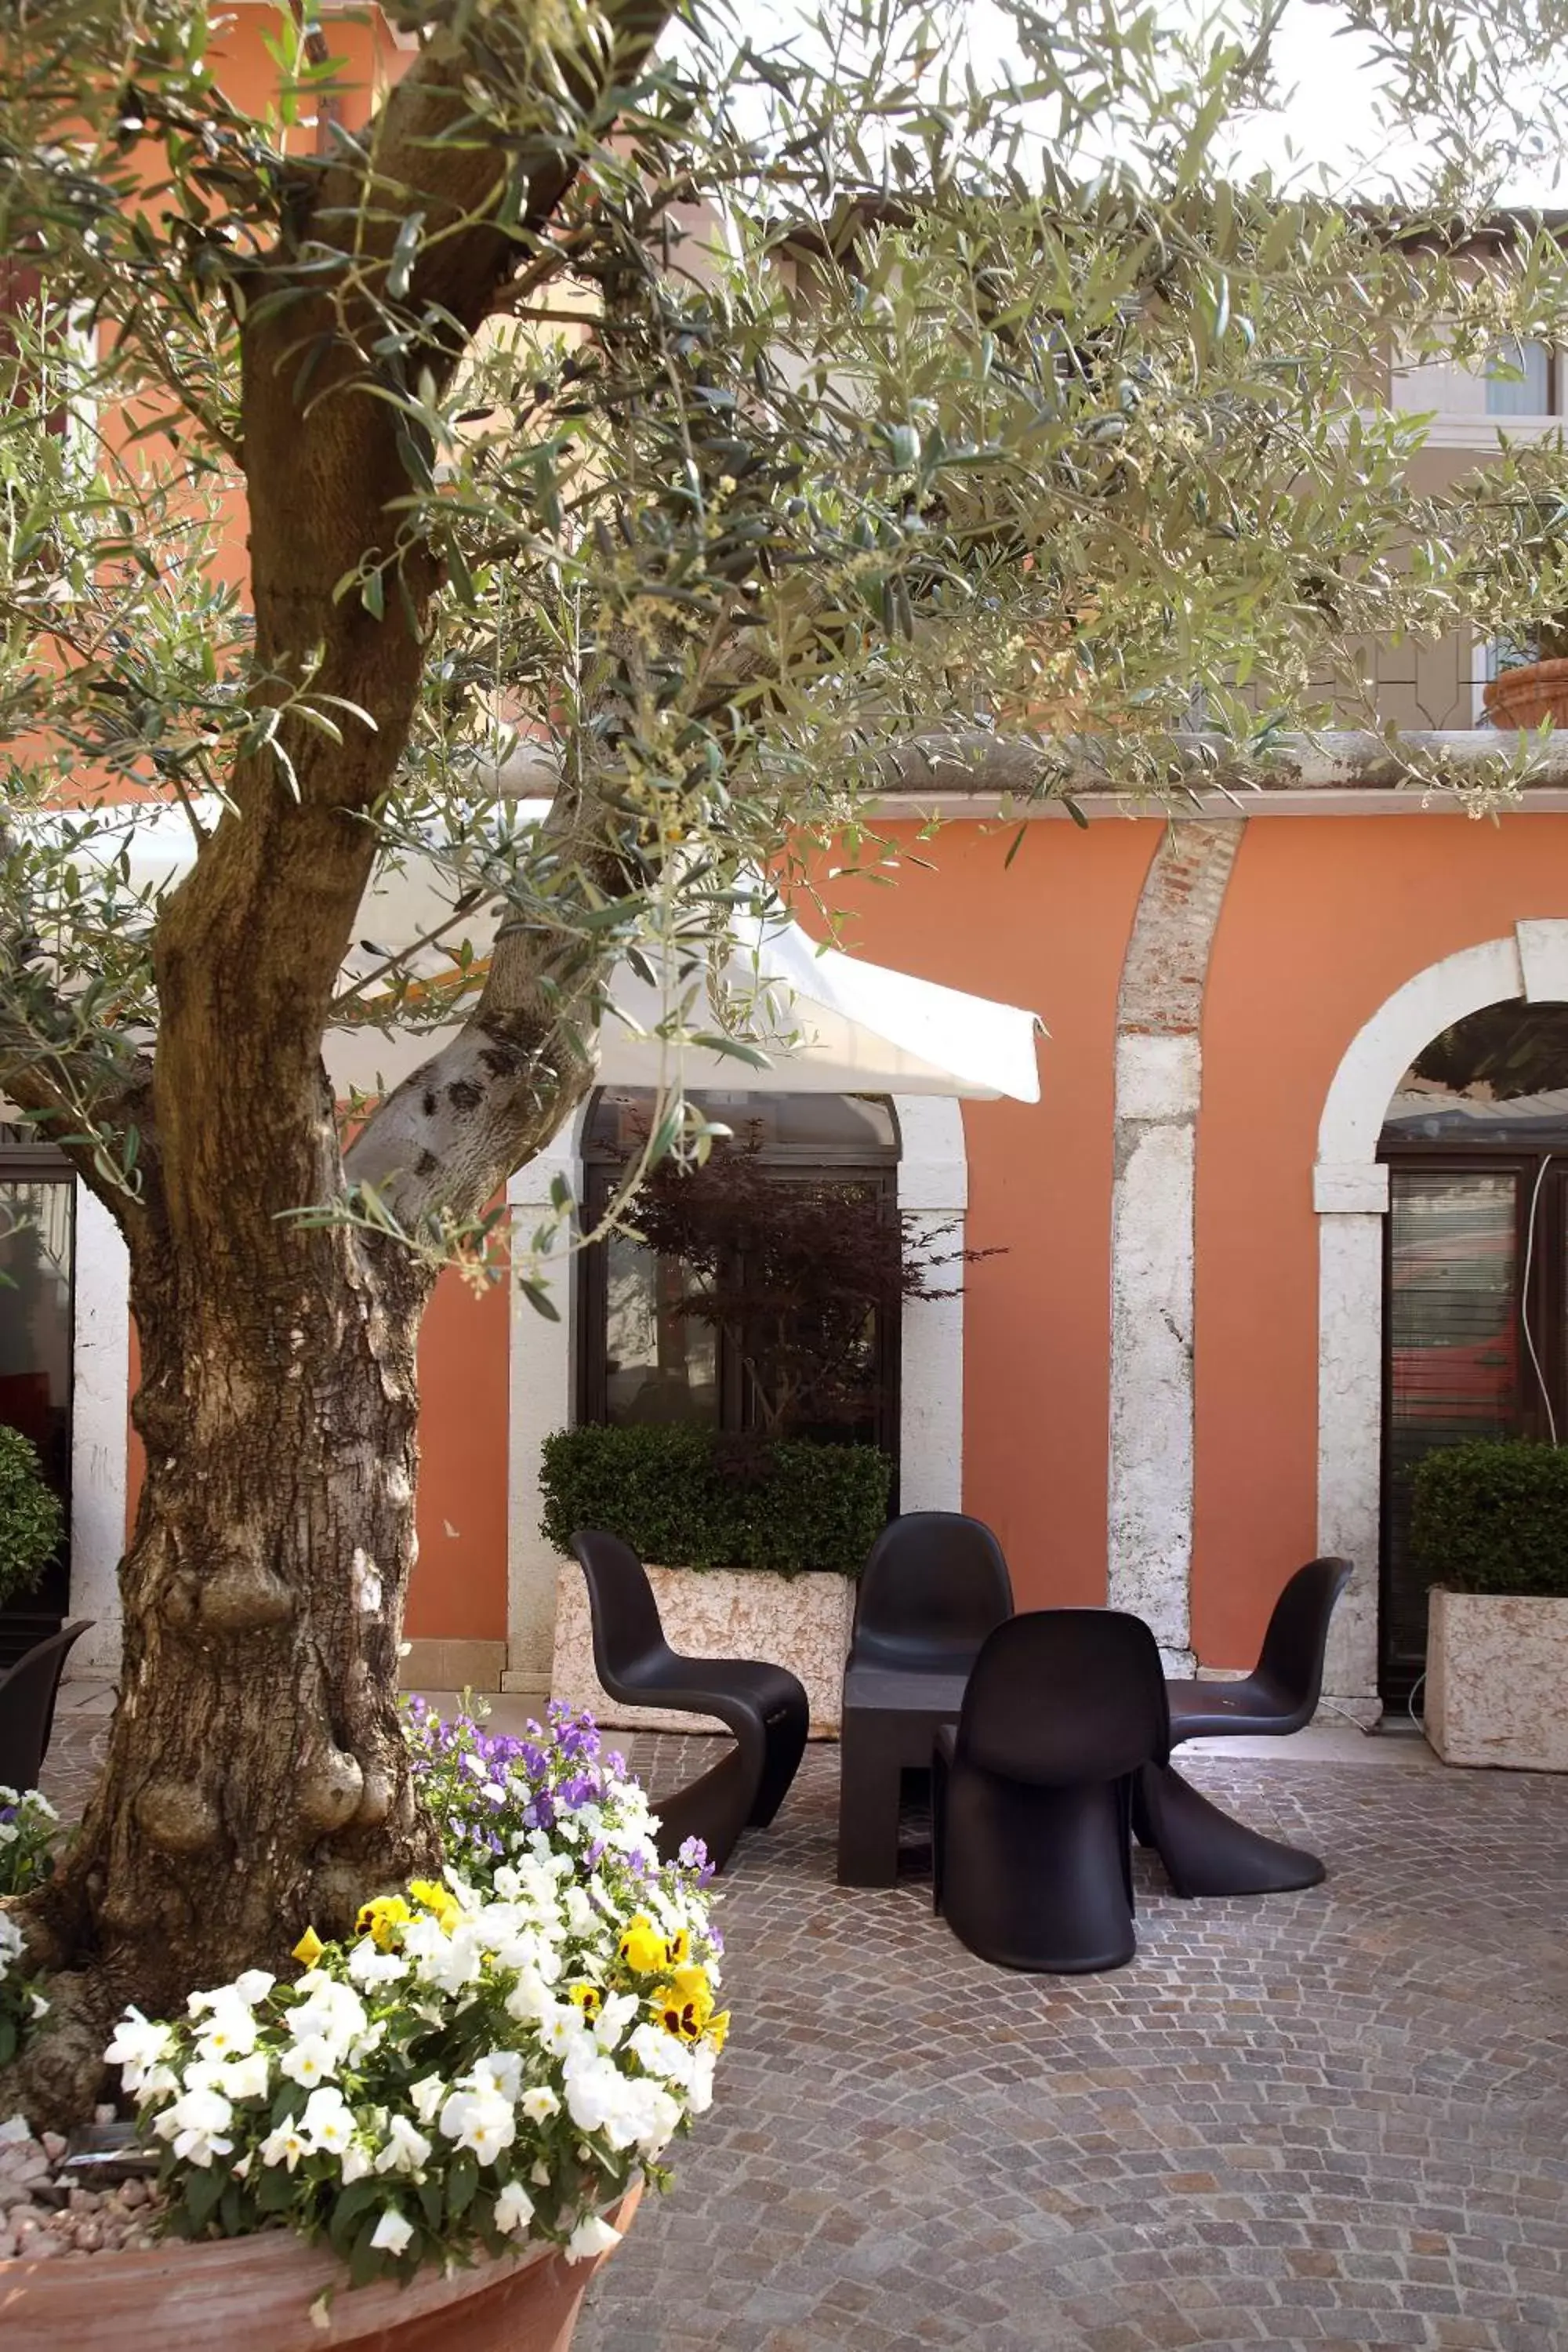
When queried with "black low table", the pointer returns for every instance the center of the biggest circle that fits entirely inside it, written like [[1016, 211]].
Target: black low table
[[891, 1717]]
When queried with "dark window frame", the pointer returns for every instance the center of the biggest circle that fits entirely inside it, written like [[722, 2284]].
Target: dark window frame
[[829, 1163]]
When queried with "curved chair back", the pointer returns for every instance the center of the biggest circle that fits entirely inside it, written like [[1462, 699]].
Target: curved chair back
[[27, 1695], [628, 1638], [934, 1585], [1062, 1697], [1298, 1635]]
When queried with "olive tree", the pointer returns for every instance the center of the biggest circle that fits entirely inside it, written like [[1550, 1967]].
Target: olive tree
[[623, 415]]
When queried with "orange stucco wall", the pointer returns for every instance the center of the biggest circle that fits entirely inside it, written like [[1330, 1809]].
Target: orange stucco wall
[[1324, 918], [1049, 933], [458, 1587]]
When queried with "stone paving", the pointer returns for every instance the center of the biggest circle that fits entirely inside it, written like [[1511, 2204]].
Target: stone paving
[[1336, 2119]]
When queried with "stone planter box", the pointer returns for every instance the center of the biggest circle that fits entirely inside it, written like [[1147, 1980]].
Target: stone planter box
[[799, 1621], [254, 2295], [1497, 1671]]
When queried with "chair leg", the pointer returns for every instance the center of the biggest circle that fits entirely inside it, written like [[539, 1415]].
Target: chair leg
[[868, 1787], [1207, 1852], [714, 1807], [785, 1729], [938, 1827], [1033, 1878]]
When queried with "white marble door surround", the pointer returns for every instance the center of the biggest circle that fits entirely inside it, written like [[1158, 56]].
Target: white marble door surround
[[1351, 1196], [934, 1191]]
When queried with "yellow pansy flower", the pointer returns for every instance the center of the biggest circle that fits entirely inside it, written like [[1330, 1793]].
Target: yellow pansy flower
[[677, 1951], [588, 1998], [642, 1947], [380, 1917], [718, 2027], [685, 2004], [436, 1898], [310, 1947]]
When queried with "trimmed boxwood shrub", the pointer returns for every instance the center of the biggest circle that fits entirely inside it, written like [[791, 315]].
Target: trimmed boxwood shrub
[[31, 1518], [1491, 1515], [690, 1499]]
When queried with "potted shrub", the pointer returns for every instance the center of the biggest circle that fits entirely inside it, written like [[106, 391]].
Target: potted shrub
[[1489, 1528], [779, 1529], [31, 1518], [430, 2130]]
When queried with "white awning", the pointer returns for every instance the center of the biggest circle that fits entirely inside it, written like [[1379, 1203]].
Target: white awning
[[827, 1021]]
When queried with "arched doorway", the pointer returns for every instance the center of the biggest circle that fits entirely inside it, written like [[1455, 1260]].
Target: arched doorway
[[1476, 1144], [1351, 1184], [931, 1177]]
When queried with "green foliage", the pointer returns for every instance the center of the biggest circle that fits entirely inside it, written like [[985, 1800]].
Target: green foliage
[[1491, 1515], [28, 1827], [688, 1499], [31, 1518]]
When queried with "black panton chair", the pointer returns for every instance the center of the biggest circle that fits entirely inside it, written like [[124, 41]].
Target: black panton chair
[[764, 1706], [1031, 1793], [934, 1585], [1206, 1851], [1281, 1693], [27, 1695]]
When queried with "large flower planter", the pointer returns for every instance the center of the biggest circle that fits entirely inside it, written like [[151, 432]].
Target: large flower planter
[[1528, 695], [256, 2294], [1497, 1667], [800, 1621]]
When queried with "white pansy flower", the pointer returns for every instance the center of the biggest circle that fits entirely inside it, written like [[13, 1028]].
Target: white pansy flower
[[392, 2233], [540, 2102], [369, 1967], [592, 2236], [480, 2119], [285, 2145], [426, 2096], [246, 2078], [499, 2070], [328, 2121], [254, 1985], [514, 2207], [138, 2043], [308, 2062], [356, 2163], [406, 2150]]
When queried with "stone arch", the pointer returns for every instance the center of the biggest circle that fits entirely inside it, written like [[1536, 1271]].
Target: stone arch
[[934, 1192], [1351, 1197]]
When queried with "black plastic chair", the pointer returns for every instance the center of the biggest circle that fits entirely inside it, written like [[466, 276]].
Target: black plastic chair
[[934, 1585], [764, 1706], [28, 1694], [1031, 1793], [1206, 1851], [1281, 1693]]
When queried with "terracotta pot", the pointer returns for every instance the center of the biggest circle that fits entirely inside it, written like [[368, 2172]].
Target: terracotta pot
[[254, 2294], [1524, 697]]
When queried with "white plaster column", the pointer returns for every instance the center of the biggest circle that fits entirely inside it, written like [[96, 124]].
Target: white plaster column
[[542, 1366], [934, 1195], [101, 1379], [1159, 1089], [1150, 1515]]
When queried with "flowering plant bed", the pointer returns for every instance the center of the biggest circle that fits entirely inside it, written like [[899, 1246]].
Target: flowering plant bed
[[494, 2057]]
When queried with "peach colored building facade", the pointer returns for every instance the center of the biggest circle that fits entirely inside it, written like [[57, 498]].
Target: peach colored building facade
[[1165, 1388]]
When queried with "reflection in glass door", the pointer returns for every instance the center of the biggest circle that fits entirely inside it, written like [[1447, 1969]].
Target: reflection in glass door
[[1454, 1342], [36, 1249]]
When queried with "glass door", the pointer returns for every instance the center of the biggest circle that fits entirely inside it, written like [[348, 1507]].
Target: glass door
[[1455, 1358], [37, 1250]]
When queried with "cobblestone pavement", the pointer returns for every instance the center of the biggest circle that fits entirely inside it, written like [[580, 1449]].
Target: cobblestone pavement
[[1328, 2119], [1333, 2120]]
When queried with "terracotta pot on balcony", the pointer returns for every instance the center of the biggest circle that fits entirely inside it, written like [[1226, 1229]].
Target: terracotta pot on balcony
[[1526, 695], [254, 2295]]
